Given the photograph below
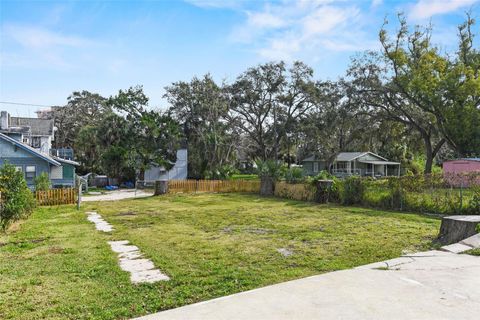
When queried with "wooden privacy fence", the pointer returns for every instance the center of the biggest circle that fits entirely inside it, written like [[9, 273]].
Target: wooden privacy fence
[[55, 197], [192, 186]]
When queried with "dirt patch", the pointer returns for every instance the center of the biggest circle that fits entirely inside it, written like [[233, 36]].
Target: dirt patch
[[56, 250], [15, 243], [128, 213], [258, 230]]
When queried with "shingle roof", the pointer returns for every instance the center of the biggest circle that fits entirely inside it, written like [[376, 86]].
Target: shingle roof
[[38, 127], [345, 156], [27, 148]]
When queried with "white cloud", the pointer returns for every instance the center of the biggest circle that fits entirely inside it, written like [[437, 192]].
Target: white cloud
[[425, 9], [284, 30], [38, 38], [376, 3], [215, 3], [37, 47]]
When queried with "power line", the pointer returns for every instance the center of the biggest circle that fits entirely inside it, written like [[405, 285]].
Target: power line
[[24, 104]]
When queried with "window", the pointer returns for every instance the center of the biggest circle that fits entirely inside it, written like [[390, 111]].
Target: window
[[30, 172], [36, 142], [19, 168], [315, 167]]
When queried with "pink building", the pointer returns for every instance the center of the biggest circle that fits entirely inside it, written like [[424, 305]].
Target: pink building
[[462, 171]]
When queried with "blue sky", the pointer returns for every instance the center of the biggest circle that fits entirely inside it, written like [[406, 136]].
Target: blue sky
[[49, 49]]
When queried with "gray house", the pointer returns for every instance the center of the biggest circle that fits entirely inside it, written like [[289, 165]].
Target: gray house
[[353, 163], [26, 144], [179, 170]]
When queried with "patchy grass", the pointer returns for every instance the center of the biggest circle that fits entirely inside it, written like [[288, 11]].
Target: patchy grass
[[57, 266], [473, 252]]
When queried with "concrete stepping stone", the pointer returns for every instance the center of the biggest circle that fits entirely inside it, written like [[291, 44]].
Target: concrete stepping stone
[[131, 260], [456, 248], [100, 224]]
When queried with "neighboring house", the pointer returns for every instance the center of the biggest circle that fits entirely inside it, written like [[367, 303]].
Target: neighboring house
[[37, 133], [26, 144], [33, 163], [353, 163], [177, 172], [462, 171]]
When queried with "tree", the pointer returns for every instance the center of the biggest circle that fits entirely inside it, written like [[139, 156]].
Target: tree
[[459, 110], [201, 107], [152, 138], [82, 108], [333, 125], [402, 82], [254, 107], [296, 100]]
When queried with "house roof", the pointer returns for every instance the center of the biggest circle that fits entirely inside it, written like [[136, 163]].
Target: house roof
[[346, 156], [29, 149], [74, 163], [38, 127]]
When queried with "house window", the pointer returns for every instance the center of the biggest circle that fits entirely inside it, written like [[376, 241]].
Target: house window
[[30, 172], [19, 168], [315, 167], [36, 142]]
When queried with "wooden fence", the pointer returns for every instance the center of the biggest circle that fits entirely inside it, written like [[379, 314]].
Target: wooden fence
[[193, 186], [55, 197]]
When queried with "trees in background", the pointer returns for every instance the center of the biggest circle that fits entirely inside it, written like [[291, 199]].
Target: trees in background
[[202, 110], [408, 100], [411, 82]]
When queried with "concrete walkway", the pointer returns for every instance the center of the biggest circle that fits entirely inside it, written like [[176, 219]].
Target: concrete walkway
[[427, 285], [117, 195]]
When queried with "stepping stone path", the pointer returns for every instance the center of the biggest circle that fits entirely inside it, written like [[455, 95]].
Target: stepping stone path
[[131, 259], [141, 270], [100, 224]]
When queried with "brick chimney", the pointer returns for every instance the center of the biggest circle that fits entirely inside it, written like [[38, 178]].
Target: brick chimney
[[4, 117]]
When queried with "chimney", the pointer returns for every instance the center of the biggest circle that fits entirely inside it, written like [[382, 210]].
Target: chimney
[[4, 117]]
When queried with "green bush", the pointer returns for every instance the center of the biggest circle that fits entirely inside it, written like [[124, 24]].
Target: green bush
[[42, 182], [294, 175], [352, 190], [474, 204], [17, 200]]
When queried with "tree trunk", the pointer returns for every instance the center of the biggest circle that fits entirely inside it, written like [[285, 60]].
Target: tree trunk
[[267, 186]]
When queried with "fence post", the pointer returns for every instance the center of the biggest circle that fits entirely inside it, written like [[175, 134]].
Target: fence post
[[79, 198]]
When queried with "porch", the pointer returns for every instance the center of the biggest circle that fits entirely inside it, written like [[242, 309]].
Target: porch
[[366, 168]]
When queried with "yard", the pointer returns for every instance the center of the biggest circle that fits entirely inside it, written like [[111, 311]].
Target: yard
[[55, 265]]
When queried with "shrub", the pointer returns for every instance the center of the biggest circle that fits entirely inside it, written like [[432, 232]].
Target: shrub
[[299, 191], [269, 172], [352, 190], [42, 182], [17, 199], [474, 204], [294, 175]]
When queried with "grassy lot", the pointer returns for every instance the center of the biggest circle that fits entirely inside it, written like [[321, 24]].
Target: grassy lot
[[57, 266]]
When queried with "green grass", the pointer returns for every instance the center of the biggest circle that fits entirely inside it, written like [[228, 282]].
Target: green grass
[[56, 265], [474, 252], [244, 177]]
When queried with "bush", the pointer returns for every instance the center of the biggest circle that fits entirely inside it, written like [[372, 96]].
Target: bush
[[42, 182], [269, 172], [352, 190], [17, 199], [474, 204], [294, 175]]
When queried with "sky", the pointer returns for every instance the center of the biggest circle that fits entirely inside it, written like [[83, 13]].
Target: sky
[[48, 49]]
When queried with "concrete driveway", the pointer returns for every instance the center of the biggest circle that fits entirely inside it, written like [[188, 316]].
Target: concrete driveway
[[427, 285], [117, 195]]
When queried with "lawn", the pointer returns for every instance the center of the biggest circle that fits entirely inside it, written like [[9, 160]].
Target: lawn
[[55, 265]]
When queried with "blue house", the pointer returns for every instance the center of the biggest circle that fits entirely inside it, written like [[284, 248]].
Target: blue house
[[27, 145]]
